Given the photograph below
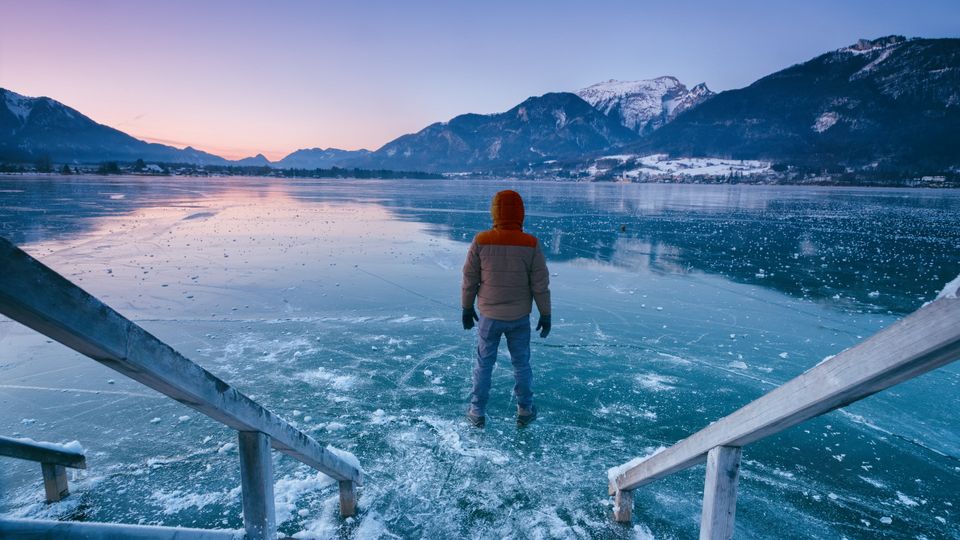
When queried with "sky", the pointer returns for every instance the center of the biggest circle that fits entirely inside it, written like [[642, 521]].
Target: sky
[[238, 78]]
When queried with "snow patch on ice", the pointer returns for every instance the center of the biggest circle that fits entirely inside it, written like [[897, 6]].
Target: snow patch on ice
[[905, 500], [625, 410], [873, 482], [287, 490], [323, 526], [373, 527], [674, 359], [656, 382], [323, 377], [379, 418], [641, 532], [172, 502], [451, 440]]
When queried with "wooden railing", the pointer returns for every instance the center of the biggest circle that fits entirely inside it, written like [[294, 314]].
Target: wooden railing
[[53, 459], [37, 529], [925, 340], [45, 301]]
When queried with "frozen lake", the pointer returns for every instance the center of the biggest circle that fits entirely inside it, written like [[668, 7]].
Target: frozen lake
[[335, 304]]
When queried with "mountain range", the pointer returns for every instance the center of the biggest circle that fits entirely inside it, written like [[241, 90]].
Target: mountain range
[[886, 104], [549, 127], [39, 127], [31, 128]]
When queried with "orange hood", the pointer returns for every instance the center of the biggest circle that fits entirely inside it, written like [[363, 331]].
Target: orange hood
[[507, 210]]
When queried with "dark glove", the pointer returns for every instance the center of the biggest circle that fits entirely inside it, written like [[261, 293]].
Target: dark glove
[[544, 323], [469, 315]]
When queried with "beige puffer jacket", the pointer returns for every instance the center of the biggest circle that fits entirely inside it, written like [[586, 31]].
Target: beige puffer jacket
[[506, 270]]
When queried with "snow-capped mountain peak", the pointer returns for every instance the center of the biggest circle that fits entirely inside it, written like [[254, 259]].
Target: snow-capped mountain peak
[[19, 105], [646, 105]]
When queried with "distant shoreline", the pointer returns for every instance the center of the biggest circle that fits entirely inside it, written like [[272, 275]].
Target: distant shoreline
[[819, 182]]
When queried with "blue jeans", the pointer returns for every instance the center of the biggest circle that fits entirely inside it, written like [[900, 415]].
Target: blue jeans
[[518, 342]]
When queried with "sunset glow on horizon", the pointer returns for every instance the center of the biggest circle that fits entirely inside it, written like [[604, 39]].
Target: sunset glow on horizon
[[241, 78]]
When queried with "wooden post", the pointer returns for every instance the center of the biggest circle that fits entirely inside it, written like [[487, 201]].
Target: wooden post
[[720, 493], [623, 506], [256, 482], [348, 499], [54, 481]]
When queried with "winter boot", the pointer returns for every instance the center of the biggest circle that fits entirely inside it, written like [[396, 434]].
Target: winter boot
[[475, 420], [525, 416]]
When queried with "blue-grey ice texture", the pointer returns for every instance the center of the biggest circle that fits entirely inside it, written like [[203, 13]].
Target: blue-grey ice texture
[[335, 303]]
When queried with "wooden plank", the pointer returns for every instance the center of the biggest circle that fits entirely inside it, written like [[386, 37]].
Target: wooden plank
[[348, 499], [54, 481], [36, 451], [36, 529], [39, 298], [623, 506], [925, 340], [256, 481], [720, 493]]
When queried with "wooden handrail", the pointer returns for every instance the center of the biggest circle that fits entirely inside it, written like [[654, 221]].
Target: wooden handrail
[[924, 340], [41, 529], [53, 460], [41, 299]]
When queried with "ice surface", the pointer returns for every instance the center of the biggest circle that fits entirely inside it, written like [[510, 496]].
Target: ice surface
[[175, 501], [337, 307]]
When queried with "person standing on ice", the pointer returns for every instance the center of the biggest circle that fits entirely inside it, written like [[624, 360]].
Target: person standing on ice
[[505, 272]]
